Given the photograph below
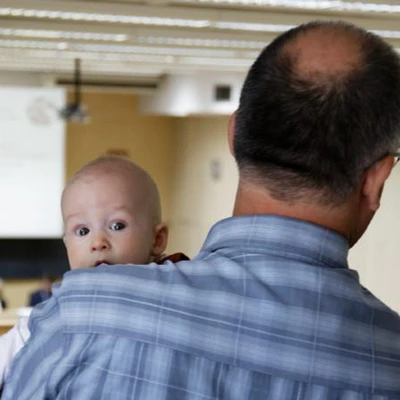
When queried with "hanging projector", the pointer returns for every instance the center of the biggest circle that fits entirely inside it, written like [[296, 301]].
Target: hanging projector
[[76, 111]]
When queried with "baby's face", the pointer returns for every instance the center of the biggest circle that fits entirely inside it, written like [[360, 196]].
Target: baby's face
[[104, 224]]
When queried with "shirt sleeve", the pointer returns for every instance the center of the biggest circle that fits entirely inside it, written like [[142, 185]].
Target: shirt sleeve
[[32, 367], [10, 344]]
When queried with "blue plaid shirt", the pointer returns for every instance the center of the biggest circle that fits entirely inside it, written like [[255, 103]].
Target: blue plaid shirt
[[267, 310]]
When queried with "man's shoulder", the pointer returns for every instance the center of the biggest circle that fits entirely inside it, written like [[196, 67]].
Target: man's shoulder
[[192, 306], [113, 274]]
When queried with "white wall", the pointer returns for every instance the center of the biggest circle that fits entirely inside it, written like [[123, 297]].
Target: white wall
[[198, 199], [377, 255]]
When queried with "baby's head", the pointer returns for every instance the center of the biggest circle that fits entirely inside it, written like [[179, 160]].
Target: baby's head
[[112, 214]]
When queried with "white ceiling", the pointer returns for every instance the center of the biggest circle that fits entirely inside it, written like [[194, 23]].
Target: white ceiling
[[134, 39]]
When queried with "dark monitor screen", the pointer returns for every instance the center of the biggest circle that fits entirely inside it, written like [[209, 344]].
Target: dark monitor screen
[[31, 258]]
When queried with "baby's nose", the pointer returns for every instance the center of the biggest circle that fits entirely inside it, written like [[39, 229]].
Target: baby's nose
[[100, 243]]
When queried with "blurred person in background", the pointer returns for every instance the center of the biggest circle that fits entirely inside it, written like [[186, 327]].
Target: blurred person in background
[[44, 293], [3, 303]]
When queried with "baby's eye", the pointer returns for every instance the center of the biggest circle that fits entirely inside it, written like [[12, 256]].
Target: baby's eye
[[82, 231], [117, 226]]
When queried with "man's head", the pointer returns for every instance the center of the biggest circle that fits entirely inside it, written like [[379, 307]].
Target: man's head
[[112, 214], [319, 118]]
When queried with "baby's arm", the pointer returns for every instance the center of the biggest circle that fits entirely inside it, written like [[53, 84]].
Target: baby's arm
[[10, 344]]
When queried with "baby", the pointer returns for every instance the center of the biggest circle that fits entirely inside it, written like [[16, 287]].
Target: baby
[[112, 215]]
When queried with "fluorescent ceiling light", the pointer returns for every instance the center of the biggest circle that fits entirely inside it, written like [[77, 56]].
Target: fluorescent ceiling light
[[387, 34], [48, 62], [180, 41], [41, 56], [67, 35], [33, 44], [104, 50], [52, 64], [228, 62], [175, 51], [85, 56], [328, 5], [110, 18], [249, 26]]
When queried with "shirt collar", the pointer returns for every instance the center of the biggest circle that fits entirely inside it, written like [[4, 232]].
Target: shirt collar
[[268, 234]]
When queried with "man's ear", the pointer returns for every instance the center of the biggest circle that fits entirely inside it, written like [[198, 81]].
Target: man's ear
[[374, 181], [231, 132], [160, 240]]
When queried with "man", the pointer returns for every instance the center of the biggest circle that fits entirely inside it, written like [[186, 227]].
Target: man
[[269, 308]]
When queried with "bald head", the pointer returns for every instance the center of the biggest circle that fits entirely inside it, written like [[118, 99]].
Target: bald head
[[326, 54], [142, 188], [319, 106]]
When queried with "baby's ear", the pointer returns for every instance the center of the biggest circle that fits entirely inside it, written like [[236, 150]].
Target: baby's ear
[[160, 240]]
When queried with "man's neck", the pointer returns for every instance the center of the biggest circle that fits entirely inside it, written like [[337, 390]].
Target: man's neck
[[251, 200]]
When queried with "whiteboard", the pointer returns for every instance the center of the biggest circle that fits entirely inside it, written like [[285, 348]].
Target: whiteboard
[[32, 147]]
